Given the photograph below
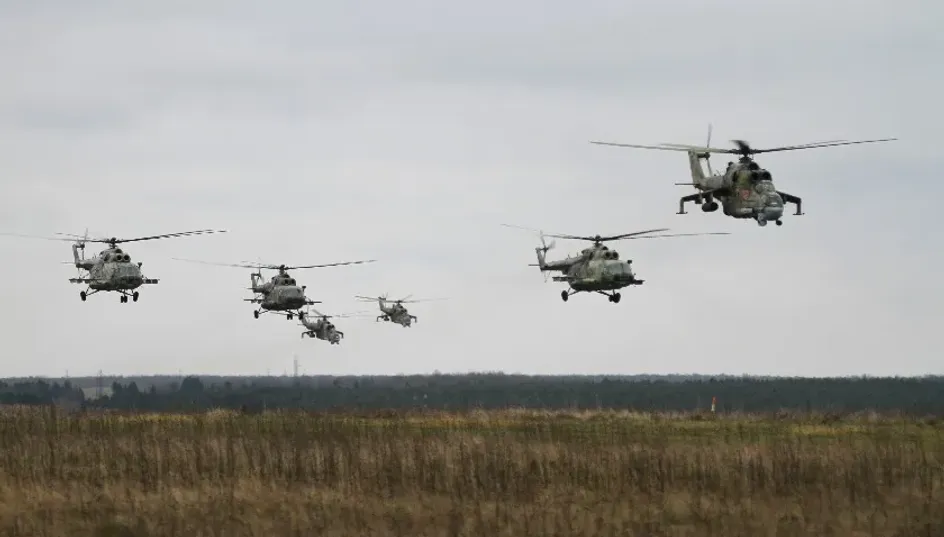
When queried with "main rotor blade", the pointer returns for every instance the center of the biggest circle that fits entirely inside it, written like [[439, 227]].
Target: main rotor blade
[[679, 235], [634, 234], [349, 314], [237, 265], [110, 240], [817, 145], [40, 237], [325, 265], [415, 300], [599, 238], [708, 149], [668, 147]]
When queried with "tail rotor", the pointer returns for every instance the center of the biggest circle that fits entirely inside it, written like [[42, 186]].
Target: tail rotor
[[543, 249], [707, 155]]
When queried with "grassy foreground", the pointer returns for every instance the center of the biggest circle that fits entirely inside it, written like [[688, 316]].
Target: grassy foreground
[[514, 473]]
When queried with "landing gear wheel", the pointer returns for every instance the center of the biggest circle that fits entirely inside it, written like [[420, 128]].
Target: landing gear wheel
[[124, 299], [565, 295], [134, 296], [779, 223], [616, 298], [761, 223], [289, 316], [83, 296], [255, 314]]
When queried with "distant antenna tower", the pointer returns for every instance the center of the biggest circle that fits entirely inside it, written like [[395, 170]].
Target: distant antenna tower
[[100, 384], [295, 364]]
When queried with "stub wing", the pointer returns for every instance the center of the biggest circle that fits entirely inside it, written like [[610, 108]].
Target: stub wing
[[80, 280], [790, 198]]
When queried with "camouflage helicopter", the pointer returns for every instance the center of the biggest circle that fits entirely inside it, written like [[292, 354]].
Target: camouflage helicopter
[[281, 295], [112, 269], [597, 269], [322, 328], [395, 312], [744, 189]]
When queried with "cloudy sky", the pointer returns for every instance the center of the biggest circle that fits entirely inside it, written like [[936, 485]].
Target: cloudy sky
[[408, 131]]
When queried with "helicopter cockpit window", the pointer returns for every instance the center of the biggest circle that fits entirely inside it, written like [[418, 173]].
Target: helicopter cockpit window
[[764, 186]]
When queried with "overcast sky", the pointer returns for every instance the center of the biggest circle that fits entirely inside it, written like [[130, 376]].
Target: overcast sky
[[408, 131]]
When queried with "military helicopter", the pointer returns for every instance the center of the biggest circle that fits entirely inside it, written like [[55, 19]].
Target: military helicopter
[[322, 328], [395, 312], [281, 295], [744, 189], [597, 269], [112, 269]]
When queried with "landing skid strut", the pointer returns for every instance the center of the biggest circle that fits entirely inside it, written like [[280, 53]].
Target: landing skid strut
[[124, 294], [613, 297]]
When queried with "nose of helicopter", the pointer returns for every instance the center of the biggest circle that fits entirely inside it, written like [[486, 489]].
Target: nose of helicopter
[[129, 275], [293, 296], [773, 209]]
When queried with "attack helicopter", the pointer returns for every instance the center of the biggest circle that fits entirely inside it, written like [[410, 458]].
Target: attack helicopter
[[322, 328], [112, 269], [281, 295], [597, 269], [394, 310], [744, 189]]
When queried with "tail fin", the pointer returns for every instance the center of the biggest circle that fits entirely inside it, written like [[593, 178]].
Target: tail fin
[[542, 250], [694, 161]]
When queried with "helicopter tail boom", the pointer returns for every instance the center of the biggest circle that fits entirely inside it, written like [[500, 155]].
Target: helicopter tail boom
[[694, 162]]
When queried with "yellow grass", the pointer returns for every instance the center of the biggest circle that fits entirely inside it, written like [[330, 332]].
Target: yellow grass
[[477, 474]]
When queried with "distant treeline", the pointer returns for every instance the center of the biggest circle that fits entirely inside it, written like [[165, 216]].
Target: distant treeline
[[917, 396]]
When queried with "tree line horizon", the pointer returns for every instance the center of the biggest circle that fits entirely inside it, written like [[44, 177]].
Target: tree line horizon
[[457, 392]]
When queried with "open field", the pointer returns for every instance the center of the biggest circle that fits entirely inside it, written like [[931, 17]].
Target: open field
[[496, 473]]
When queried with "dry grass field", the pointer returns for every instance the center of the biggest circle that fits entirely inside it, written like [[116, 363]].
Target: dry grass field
[[509, 473]]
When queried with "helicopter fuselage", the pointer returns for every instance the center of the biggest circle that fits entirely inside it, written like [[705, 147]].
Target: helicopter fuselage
[[396, 313], [596, 270], [115, 276], [110, 270], [322, 330], [600, 275], [744, 190], [281, 293], [284, 298]]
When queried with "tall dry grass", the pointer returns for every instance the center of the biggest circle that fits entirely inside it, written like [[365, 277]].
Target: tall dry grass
[[479, 474]]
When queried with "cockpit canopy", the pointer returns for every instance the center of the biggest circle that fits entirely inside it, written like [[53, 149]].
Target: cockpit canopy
[[284, 280], [754, 174]]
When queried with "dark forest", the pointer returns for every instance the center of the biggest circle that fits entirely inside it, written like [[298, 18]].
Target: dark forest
[[908, 395]]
